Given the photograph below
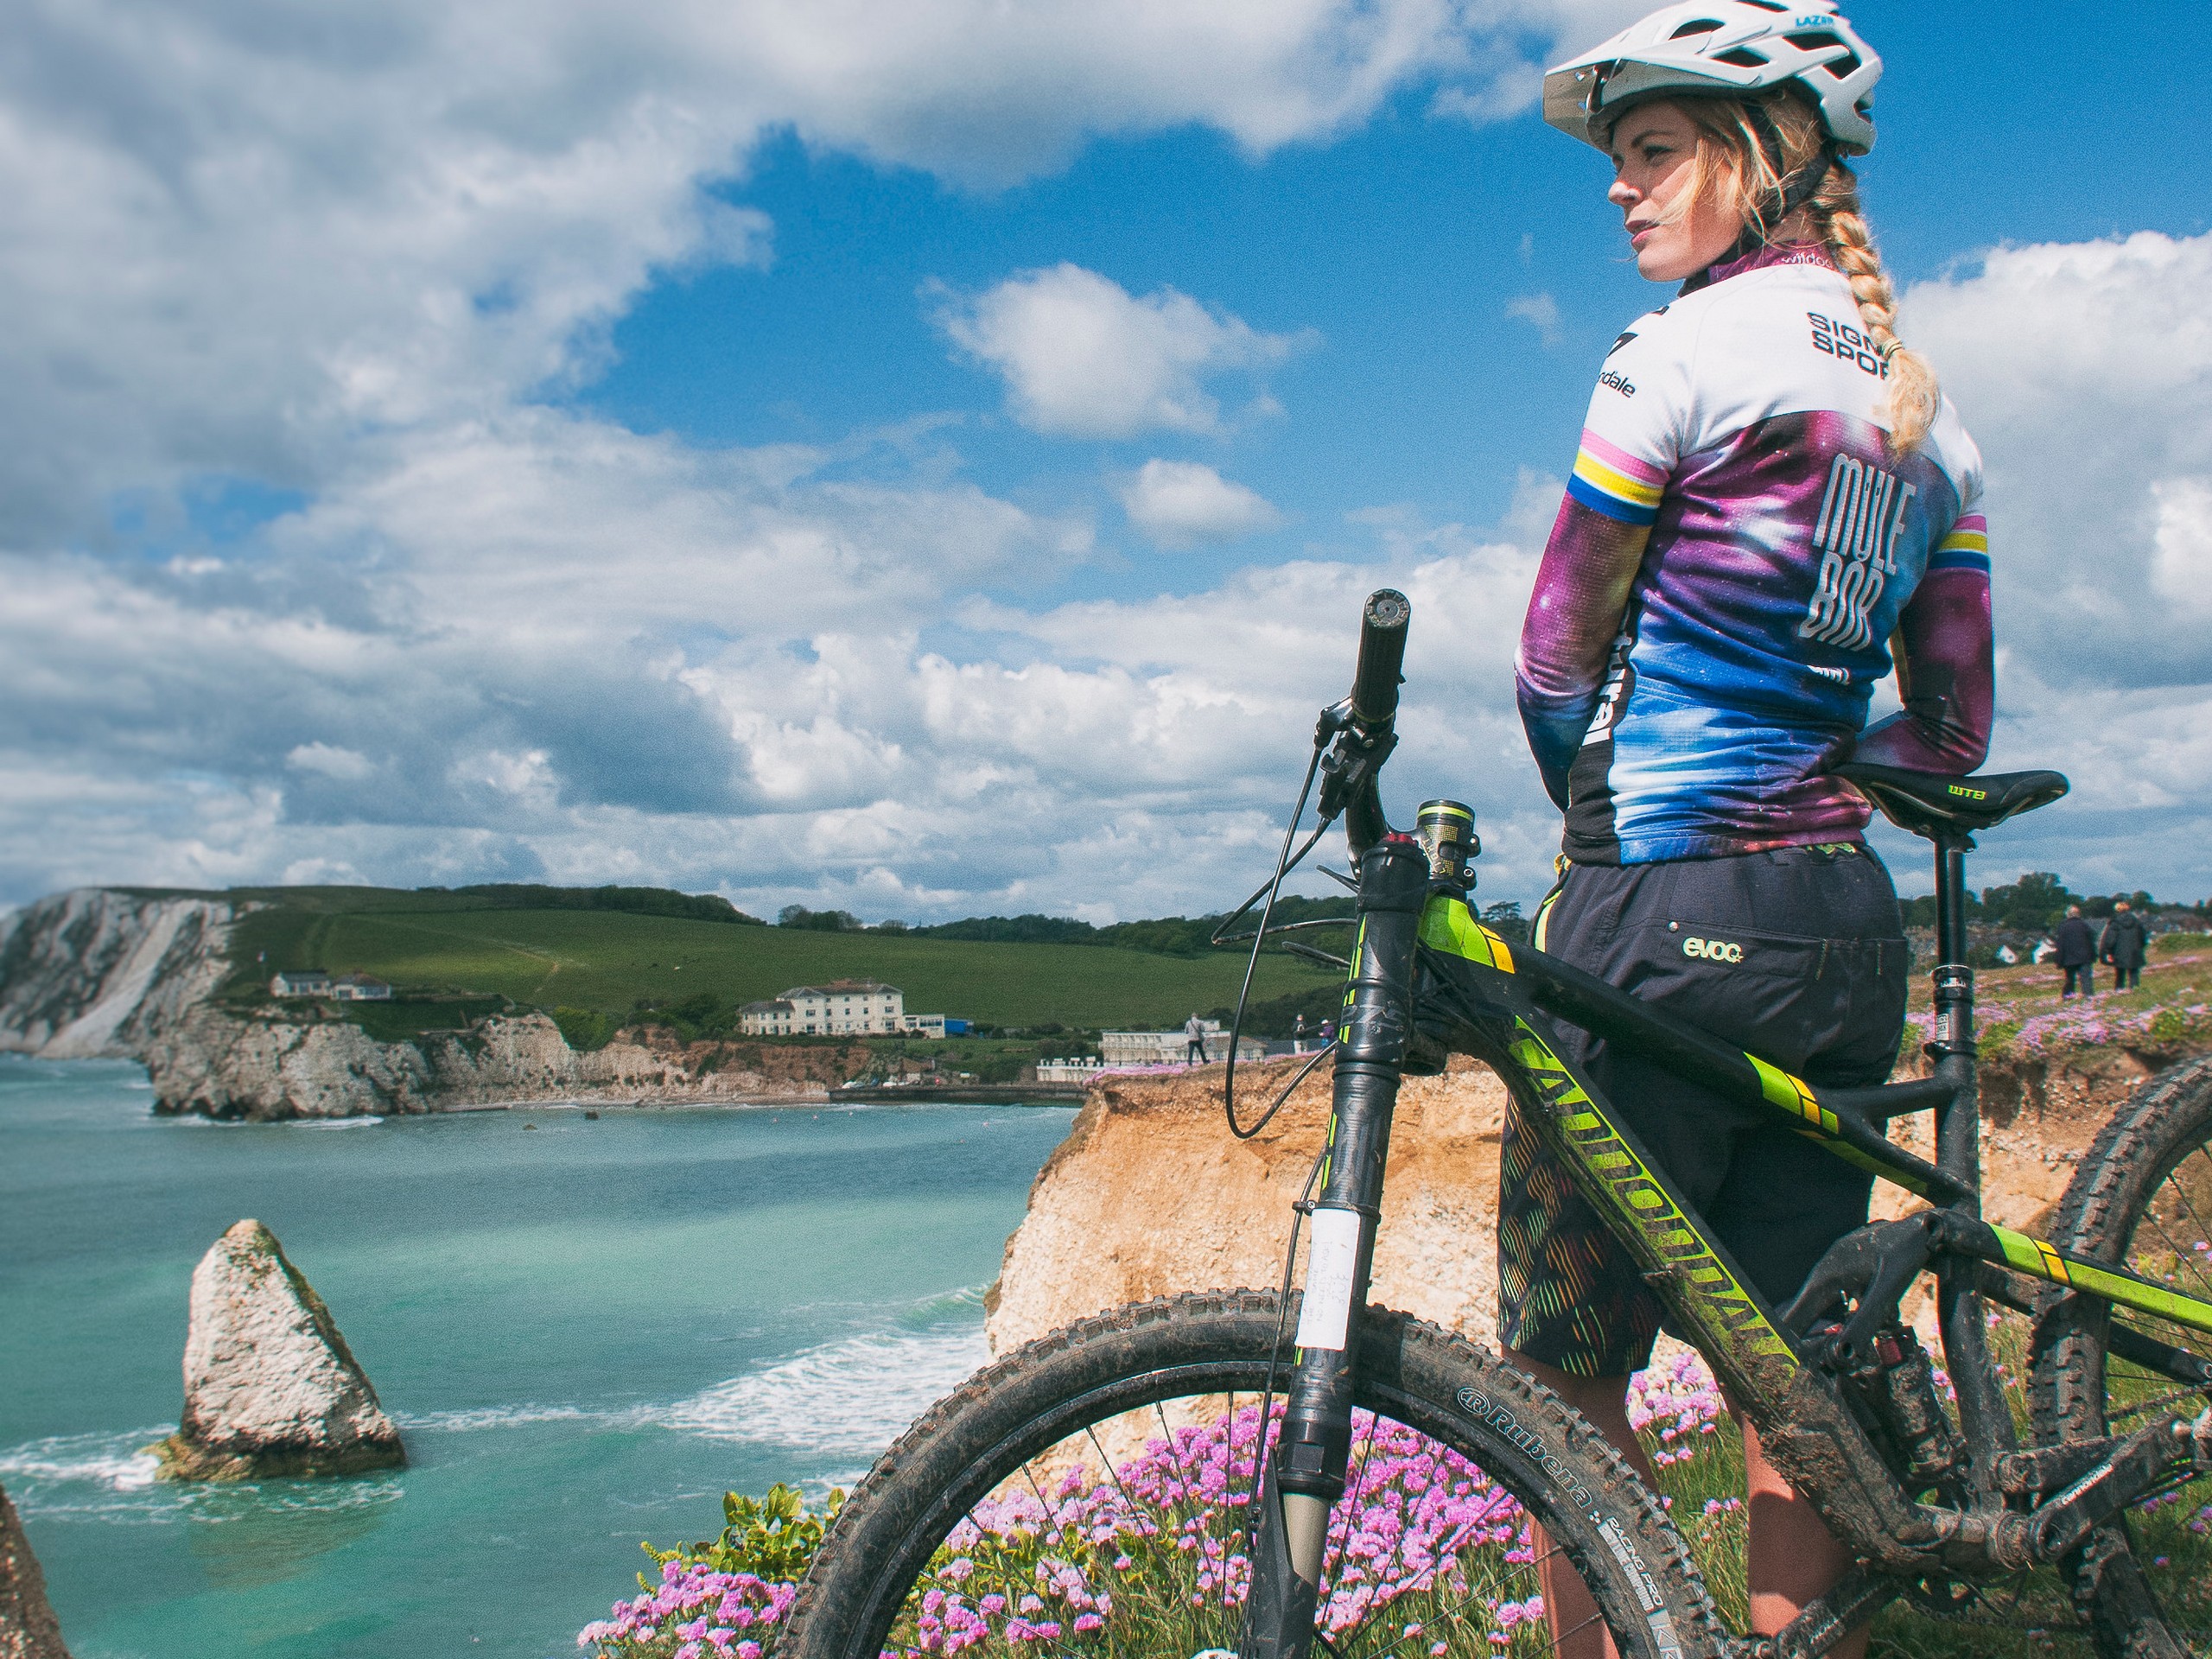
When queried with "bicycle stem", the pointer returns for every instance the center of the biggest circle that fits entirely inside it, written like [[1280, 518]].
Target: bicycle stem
[[1314, 1449]]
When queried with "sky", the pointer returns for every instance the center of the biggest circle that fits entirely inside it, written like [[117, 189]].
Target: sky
[[927, 458]]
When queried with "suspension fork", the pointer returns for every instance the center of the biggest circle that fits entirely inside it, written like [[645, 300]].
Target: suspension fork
[[1305, 1475]]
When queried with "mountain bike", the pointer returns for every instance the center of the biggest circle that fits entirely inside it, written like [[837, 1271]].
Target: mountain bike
[[1265, 1473]]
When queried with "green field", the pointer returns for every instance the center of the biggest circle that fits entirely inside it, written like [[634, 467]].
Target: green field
[[611, 963]]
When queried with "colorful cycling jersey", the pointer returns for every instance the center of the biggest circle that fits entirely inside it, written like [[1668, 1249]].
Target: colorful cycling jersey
[[1684, 705]]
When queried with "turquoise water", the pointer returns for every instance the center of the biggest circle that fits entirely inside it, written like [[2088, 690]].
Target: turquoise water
[[586, 1330]]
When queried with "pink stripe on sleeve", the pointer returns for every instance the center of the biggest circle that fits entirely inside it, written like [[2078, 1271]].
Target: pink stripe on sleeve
[[1971, 523], [1619, 459]]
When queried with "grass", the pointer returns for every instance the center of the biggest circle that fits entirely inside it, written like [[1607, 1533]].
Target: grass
[[608, 961]]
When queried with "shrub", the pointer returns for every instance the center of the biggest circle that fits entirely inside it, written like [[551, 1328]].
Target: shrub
[[584, 1029], [723, 1598]]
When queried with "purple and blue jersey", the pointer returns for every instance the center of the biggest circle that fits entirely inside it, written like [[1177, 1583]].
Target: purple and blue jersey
[[1737, 550]]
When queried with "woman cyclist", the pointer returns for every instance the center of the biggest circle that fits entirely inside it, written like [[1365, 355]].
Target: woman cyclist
[[1773, 505]]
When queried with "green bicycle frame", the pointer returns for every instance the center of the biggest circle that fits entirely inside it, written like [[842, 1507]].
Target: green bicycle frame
[[1510, 988]]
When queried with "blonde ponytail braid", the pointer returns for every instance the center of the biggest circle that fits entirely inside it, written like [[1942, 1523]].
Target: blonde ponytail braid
[[1732, 166], [1915, 395]]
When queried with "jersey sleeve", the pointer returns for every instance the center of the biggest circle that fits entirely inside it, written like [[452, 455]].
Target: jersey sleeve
[[1631, 441], [1641, 416], [1946, 657]]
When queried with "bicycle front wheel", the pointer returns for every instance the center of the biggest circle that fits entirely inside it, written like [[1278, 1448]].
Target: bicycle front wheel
[[1091, 1495], [2142, 1200]]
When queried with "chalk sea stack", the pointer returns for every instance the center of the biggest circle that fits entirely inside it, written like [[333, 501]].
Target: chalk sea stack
[[270, 1389], [27, 1627]]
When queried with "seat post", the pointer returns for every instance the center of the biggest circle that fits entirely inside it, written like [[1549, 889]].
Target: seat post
[[1983, 1411], [1951, 1050]]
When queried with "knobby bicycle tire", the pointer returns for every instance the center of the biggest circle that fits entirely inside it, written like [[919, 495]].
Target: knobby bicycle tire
[[2141, 1197], [935, 1509]]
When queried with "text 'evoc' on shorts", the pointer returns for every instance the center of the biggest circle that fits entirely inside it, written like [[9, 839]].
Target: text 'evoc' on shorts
[[1797, 955]]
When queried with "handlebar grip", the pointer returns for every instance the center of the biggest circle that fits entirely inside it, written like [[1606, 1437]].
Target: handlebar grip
[[1382, 654]]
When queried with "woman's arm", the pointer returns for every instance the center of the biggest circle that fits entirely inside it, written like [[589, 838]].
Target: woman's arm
[[1575, 616], [1944, 648]]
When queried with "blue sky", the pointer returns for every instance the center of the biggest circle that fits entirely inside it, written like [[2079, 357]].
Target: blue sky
[[926, 459]]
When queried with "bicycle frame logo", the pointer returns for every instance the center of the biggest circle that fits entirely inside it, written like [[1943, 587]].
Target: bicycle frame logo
[[1722, 1305]]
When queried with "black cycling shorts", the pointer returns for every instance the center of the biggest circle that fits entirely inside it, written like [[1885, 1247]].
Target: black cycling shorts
[[1797, 955]]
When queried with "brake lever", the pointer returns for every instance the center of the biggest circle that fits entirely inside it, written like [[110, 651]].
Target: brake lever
[[1353, 762]]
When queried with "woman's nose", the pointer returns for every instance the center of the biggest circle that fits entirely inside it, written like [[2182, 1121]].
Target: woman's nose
[[1622, 194]]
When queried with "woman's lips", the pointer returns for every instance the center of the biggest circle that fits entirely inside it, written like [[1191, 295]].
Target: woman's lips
[[1638, 233]]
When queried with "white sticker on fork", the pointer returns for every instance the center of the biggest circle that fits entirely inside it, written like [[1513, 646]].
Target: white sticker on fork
[[1331, 1261]]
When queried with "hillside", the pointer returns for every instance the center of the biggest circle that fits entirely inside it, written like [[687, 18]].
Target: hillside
[[617, 962]]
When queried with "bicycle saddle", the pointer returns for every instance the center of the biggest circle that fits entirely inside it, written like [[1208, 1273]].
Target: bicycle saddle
[[1934, 805]]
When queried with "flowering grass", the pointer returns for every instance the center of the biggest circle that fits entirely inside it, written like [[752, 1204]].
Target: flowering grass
[[1427, 1557], [2021, 1016]]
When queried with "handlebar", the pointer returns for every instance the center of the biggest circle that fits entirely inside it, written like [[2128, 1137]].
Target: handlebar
[[1381, 655]]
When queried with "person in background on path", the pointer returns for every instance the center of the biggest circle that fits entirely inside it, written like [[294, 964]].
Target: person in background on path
[[2123, 946], [1194, 1050], [2077, 954]]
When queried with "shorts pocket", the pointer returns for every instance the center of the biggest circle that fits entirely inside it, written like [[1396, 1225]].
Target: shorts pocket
[[1782, 996]]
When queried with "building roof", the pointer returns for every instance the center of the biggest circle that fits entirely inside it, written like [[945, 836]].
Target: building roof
[[773, 1005], [843, 988]]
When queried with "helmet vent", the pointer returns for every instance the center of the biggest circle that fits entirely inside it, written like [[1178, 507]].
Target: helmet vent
[[1767, 5], [1821, 43], [1742, 58], [1695, 26]]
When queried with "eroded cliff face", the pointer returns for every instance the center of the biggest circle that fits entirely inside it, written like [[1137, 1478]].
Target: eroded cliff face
[[1149, 1195], [222, 1066], [97, 973]]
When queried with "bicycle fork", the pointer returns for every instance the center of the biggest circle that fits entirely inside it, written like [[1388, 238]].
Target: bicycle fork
[[1305, 1476]]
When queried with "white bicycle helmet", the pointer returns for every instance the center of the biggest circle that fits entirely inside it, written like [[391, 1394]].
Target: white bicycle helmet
[[1722, 47]]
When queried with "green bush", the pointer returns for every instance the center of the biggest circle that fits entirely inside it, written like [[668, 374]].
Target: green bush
[[584, 1030]]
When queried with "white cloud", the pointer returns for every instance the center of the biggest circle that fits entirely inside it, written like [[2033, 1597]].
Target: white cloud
[[1540, 311], [2181, 568], [349, 765], [2084, 370], [234, 242], [1178, 502], [1080, 356]]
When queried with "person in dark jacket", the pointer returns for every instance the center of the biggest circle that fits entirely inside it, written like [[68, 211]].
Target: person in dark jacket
[[2124, 946], [2077, 954]]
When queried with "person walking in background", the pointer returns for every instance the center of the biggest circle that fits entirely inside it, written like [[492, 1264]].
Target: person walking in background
[[1194, 1050], [2077, 954], [2124, 945]]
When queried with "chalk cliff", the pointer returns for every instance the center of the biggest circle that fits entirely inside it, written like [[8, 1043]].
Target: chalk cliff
[[99, 973], [1149, 1195]]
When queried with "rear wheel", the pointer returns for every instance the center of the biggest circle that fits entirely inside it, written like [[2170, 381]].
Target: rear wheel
[[2142, 1198], [1092, 1495]]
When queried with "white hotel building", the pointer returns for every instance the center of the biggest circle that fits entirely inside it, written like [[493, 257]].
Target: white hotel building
[[858, 1007]]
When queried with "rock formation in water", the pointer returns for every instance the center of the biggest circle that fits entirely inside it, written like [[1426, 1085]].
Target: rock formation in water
[[1149, 1195], [27, 1627], [271, 1388], [103, 973]]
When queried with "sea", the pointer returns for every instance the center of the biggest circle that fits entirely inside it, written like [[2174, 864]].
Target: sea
[[588, 1330]]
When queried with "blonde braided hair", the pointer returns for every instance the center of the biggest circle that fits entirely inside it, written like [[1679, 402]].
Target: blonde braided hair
[[1732, 164]]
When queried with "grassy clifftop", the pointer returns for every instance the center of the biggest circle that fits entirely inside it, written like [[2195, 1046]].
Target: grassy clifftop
[[612, 961]]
